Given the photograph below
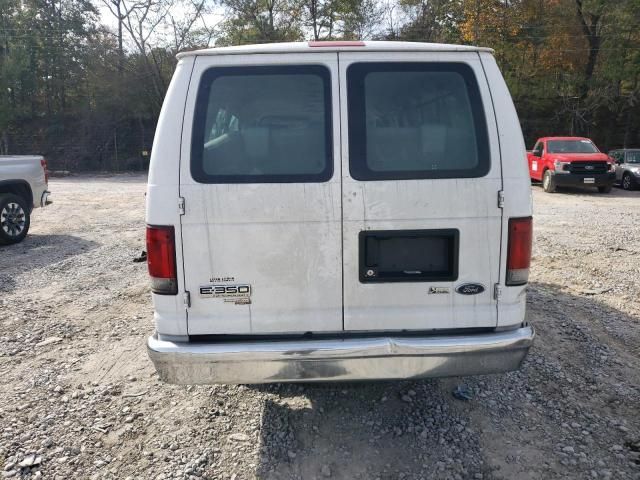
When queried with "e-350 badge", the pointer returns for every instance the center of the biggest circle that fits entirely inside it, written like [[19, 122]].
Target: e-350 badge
[[225, 291]]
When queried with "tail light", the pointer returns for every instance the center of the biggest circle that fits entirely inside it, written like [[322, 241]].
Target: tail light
[[519, 250], [161, 259], [43, 164]]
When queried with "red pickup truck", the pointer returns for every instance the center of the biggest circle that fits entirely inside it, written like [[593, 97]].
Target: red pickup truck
[[570, 161]]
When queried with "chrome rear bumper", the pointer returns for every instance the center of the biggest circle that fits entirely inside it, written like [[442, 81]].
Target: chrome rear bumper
[[381, 358]]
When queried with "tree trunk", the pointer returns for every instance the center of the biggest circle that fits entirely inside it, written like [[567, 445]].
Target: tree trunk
[[271, 20], [120, 49], [313, 10], [590, 31], [4, 143]]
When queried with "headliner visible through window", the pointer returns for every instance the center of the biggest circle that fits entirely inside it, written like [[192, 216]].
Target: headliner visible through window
[[263, 124], [414, 121]]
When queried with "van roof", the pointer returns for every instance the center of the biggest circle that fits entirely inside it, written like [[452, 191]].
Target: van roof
[[335, 46]]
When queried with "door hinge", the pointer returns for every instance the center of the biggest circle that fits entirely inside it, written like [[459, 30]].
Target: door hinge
[[181, 205], [186, 297], [497, 291], [501, 199]]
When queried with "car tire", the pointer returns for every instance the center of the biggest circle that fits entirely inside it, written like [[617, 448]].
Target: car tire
[[14, 218], [605, 189], [627, 182], [548, 184]]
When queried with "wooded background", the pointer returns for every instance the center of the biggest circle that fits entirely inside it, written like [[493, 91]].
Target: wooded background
[[82, 81]]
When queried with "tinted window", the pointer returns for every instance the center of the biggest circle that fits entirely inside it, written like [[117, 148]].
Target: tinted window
[[617, 155], [633, 157], [263, 124], [415, 120], [538, 149], [571, 146]]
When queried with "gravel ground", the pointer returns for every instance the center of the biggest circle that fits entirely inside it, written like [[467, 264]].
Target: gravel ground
[[80, 399]]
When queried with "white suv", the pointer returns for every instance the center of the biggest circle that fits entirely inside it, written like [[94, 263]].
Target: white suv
[[332, 211]]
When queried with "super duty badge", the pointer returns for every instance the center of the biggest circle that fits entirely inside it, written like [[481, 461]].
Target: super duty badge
[[225, 291]]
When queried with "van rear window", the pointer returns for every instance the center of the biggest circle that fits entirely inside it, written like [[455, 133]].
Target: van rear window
[[414, 121], [269, 124]]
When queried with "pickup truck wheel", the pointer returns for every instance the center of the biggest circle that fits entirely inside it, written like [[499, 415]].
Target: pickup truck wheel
[[605, 189], [548, 185], [627, 182], [14, 218]]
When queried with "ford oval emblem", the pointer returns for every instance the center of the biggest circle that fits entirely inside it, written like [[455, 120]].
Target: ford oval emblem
[[470, 289]]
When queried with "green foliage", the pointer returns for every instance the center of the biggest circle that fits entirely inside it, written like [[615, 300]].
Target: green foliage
[[431, 21], [260, 21], [61, 91], [69, 91]]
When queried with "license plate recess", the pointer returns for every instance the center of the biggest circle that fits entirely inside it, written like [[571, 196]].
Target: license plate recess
[[409, 255]]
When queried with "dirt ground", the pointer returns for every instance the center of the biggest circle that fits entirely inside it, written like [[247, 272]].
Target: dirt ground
[[80, 399]]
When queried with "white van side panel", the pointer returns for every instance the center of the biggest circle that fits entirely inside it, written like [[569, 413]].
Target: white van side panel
[[162, 194], [517, 186], [467, 204], [282, 239]]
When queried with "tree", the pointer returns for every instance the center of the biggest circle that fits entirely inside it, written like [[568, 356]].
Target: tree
[[431, 20], [590, 17], [260, 21], [362, 19], [321, 17], [89, 97]]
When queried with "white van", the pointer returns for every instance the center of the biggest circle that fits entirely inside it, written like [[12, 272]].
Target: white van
[[332, 211]]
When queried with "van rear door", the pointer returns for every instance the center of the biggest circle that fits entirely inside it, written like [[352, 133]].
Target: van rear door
[[260, 177], [421, 175]]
